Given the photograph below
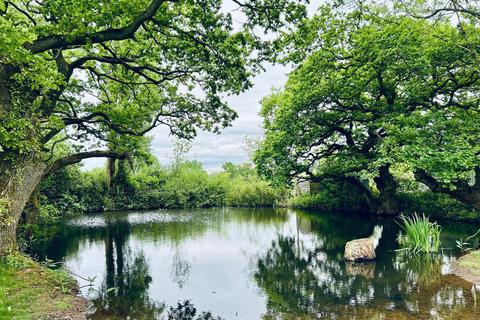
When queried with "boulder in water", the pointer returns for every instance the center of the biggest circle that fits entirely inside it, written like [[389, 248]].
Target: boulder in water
[[363, 249]]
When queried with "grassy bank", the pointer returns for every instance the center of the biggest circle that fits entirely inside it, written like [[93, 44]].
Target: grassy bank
[[468, 267], [471, 262], [31, 291]]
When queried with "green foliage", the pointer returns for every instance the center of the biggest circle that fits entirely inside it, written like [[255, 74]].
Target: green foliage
[[469, 243], [189, 186], [145, 61], [436, 205], [250, 192], [373, 88], [307, 201], [331, 196], [71, 190], [15, 262], [151, 186], [419, 234]]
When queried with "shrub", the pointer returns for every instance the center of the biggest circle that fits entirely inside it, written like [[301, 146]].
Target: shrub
[[334, 196], [184, 185], [436, 205], [250, 192], [419, 234], [188, 186]]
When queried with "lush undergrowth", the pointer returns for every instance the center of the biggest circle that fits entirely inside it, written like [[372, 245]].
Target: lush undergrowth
[[331, 197], [186, 185], [437, 205], [31, 291], [431, 204]]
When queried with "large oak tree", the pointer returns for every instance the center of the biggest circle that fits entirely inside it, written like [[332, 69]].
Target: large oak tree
[[371, 90], [80, 70]]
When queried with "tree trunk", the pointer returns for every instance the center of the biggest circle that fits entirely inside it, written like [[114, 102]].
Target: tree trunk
[[364, 189], [110, 171], [463, 192], [16, 187], [32, 208], [388, 203]]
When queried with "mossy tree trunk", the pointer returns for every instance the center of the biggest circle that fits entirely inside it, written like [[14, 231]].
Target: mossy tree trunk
[[19, 179], [16, 186]]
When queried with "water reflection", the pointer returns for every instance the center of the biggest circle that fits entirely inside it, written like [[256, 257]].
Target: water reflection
[[300, 280], [124, 291], [253, 264]]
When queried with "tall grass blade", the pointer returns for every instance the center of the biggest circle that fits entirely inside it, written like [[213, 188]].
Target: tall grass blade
[[418, 234]]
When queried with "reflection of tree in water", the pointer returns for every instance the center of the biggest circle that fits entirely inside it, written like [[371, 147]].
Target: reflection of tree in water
[[180, 269], [187, 311], [307, 282], [124, 292]]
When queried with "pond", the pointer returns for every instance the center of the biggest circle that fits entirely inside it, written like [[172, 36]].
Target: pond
[[254, 264]]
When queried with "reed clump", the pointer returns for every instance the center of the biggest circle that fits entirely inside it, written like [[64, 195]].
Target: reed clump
[[418, 234]]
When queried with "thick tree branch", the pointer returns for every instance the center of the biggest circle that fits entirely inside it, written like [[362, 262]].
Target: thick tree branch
[[76, 158], [463, 192], [65, 41], [423, 177]]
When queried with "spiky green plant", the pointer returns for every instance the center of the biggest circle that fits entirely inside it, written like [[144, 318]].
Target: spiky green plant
[[418, 234]]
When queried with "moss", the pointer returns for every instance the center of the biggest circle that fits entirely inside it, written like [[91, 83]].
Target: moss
[[471, 262], [31, 291]]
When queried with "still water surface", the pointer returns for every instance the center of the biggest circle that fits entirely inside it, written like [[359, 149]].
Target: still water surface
[[255, 264]]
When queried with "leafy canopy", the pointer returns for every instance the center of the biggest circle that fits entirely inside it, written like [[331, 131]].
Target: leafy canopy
[[89, 68], [372, 89]]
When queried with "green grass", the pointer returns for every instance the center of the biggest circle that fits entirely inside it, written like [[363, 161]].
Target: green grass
[[418, 234], [471, 262], [31, 291]]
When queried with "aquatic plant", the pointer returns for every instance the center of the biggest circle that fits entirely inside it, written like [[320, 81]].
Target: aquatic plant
[[470, 243], [418, 234]]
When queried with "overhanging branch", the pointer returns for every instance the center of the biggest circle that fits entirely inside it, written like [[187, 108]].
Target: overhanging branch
[[65, 41], [76, 158]]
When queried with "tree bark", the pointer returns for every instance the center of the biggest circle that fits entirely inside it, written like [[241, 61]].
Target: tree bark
[[16, 187], [388, 203], [463, 192], [110, 171], [32, 208]]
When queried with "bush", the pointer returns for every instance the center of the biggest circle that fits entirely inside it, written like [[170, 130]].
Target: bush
[[250, 192], [332, 196], [188, 186], [184, 185], [436, 205]]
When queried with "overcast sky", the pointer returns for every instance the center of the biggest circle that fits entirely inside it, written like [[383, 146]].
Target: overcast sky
[[212, 150], [215, 149]]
